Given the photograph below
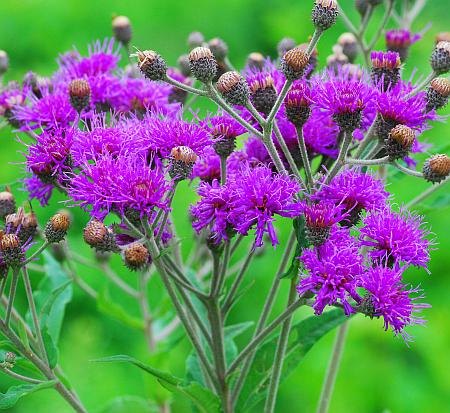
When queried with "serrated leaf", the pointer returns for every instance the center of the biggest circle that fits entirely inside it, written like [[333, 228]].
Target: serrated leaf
[[110, 307], [14, 393], [204, 400], [303, 336]]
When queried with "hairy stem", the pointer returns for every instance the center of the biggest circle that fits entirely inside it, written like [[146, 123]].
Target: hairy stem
[[425, 194], [305, 158], [12, 295], [340, 161]]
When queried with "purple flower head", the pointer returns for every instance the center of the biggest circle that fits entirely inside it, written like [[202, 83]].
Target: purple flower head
[[333, 271], [256, 152], [344, 97], [387, 297], [400, 38], [102, 58], [222, 126], [213, 209], [165, 133], [322, 214], [11, 96], [118, 184], [395, 107], [321, 134], [207, 168], [259, 195], [395, 237], [141, 95], [300, 94], [37, 189], [52, 110], [357, 191], [255, 75], [49, 157], [385, 60]]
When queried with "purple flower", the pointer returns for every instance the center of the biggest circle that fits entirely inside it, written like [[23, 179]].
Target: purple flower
[[389, 298], [259, 195], [207, 168], [117, 184], [37, 189], [222, 126], [344, 97], [213, 210], [52, 110], [102, 58], [333, 271], [395, 237], [385, 60], [321, 135], [400, 38], [12, 95], [357, 191], [49, 157]]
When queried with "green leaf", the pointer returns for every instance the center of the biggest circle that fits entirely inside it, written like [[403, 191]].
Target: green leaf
[[110, 307], [201, 397], [14, 393], [127, 404], [50, 347], [302, 243], [237, 329], [304, 335]]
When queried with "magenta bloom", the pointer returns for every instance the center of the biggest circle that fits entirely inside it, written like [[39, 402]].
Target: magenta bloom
[[333, 271], [49, 157], [321, 135], [401, 38], [53, 110], [37, 189], [259, 195], [389, 298], [207, 168], [213, 210], [357, 191], [396, 237], [222, 126], [117, 184]]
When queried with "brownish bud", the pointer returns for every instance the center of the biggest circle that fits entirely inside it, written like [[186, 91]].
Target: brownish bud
[[436, 168], [294, 63], [234, 88], [56, 228], [441, 85], [218, 48], [7, 203], [122, 29], [443, 37], [183, 159], [203, 64], [80, 94], [255, 60], [151, 64], [136, 256]]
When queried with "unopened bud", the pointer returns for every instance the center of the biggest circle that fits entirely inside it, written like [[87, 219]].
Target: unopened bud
[[183, 159], [385, 68], [234, 88], [399, 142], [443, 37], [335, 61], [184, 65], [10, 359], [284, 45], [23, 224], [361, 6], [438, 93], [7, 203], [98, 236], [202, 63], [436, 168], [122, 29], [136, 256], [263, 93], [80, 94], [349, 46], [294, 63], [4, 62], [56, 228], [11, 250], [298, 104], [324, 14], [255, 60], [218, 48], [152, 65], [195, 39], [440, 58]]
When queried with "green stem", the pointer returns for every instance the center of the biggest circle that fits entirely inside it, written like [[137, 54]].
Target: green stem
[[20, 377], [44, 245], [255, 113], [223, 170], [267, 139], [276, 107], [367, 139], [368, 162], [333, 367], [314, 40], [121, 284], [287, 153], [12, 295], [408, 171], [422, 85], [166, 213], [265, 313], [32, 306], [427, 193], [383, 23], [184, 87], [340, 161], [143, 304], [305, 158], [280, 353]]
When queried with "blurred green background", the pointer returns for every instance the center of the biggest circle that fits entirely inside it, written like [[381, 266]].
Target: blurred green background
[[378, 373]]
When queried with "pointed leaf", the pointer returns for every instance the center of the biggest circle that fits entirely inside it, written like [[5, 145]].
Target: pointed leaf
[[14, 393], [201, 397]]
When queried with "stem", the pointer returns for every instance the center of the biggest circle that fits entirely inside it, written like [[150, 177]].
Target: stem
[[260, 337], [20, 377], [12, 295], [365, 20], [367, 139], [333, 367], [341, 157], [314, 40], [287, 153], [187, 88], [368, 162], [119, 282], [422, 85], [264, 315], [32, 306], [408, 171], [229, 300], [223, 269], [267, 139], [305, 159], [426, 193], [249, 106], [276, 107], [148, 320], [44, 245], [223, 170], [74, 277], [280, 353], [386, 17], [166, 214]]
